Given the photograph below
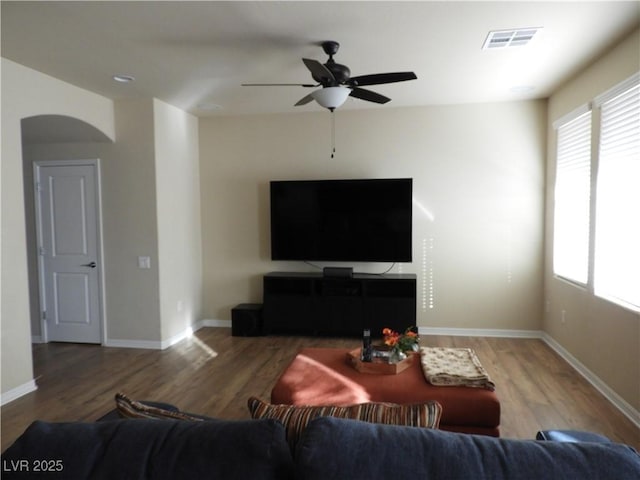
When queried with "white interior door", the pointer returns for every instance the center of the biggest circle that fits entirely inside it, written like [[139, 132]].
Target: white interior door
[[68, 233]]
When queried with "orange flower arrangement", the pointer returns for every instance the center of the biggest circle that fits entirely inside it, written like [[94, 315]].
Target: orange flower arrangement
[[401, 342]]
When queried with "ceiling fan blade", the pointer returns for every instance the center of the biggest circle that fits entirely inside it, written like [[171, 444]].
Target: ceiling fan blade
[[380, 78], [307, 85], [368, 95], [304, 100], [319, 71]]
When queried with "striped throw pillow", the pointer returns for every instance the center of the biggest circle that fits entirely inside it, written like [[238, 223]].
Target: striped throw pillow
[[128, 408], [295, 418]]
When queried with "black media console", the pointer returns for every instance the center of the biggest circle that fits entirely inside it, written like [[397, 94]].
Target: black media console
[[310, 303]]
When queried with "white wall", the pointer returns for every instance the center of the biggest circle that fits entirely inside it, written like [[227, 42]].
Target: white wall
[[178, 210], [26, 93], [602, 336], [478, 171]]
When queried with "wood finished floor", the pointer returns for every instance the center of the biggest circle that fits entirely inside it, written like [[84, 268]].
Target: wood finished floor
[[214, 373]]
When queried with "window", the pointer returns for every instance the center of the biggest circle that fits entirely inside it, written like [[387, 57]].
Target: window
[[617, 216], [606, 208], [572, 198]]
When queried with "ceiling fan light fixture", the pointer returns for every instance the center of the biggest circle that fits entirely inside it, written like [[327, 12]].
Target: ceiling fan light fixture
[[331, 97]]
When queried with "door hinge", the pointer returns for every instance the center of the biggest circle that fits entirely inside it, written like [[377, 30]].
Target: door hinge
[[41, 251], [38, 187], [44, 315]]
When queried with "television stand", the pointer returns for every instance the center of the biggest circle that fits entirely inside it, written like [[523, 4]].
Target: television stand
[[310, 303]]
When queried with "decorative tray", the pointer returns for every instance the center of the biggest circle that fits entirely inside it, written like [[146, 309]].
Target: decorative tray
[[378, 366]]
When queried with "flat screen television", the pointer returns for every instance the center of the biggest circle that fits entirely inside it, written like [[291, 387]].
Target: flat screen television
[[365, 220]]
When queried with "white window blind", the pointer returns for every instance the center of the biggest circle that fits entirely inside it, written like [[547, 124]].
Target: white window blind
[[617, 220], [572, 199]]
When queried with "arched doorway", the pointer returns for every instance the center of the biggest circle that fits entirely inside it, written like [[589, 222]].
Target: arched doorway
[[52, 140]]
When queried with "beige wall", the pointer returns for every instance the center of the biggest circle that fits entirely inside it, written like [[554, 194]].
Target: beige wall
[[150, 203], [178, 210], [478, 172], [130, 227], [26, 93], [135, 221], [129, 221], [601, 335]]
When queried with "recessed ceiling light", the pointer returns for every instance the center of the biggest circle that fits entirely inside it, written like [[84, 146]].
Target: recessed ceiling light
[[209, 106], [522, 89], [124, 78]]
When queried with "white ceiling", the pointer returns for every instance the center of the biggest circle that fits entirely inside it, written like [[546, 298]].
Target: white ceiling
[[191, 54]]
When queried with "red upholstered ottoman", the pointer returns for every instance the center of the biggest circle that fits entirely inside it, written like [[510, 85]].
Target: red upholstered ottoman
[[322, 376]]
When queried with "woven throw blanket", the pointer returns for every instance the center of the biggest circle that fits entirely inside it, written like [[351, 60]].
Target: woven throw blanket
[[454, 367]]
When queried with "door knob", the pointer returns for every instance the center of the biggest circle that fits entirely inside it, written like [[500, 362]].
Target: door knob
[[90, 265]]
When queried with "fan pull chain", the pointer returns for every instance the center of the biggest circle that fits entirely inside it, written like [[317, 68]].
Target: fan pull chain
[[333, 133]]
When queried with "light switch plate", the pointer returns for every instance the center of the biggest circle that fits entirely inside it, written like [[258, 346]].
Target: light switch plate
[[144, 262]]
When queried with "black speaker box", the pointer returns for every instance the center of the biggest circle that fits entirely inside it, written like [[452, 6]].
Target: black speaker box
[[246, 320]]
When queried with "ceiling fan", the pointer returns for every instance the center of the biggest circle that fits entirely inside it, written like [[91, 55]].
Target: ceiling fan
[[337, 82]]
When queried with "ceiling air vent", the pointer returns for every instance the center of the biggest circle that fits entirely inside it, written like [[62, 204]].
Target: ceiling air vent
[[509, 38]]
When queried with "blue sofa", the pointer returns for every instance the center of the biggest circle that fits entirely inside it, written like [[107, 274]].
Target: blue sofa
[[329, 449]]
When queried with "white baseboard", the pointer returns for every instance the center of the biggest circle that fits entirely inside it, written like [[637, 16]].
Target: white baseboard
[[36, 339], [162, 344], [619, 402], [480, 332], [123, 343], [186, 333], [216, 323], [18, 392]]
